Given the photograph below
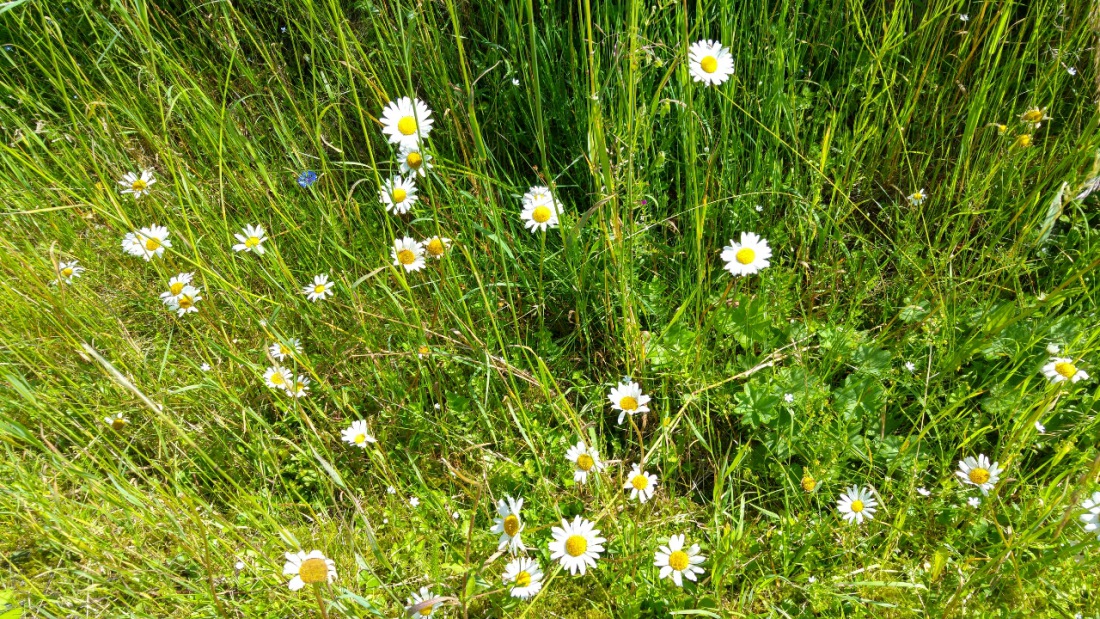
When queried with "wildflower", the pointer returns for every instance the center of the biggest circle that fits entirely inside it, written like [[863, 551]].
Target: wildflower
[[391, 490], [67, 271], [508, 525], [577, 545], [414, 161], [414, 502], [137, 185], [308, 569], [1035, 116], [424, 351], [759, 208], [1023, 141], [1061, 369], [537, 194], [540, 210], [117, 422], [856, 504], [1053, 349], [917, 198], [628, 398], [251, 239], [979, 472], [320, 289], [999, 127], [677, 563], [307, 178], [176, 286], [300, 387], [525, 576], [281, 351], [408, 253], [239, 565], [357, 434], [641, 485], [1040, 428], [515, 81], [585, 459], [788, 397], [748, 256], [436, 246], [811, 579], [147, 242], [809, 484], [973, 501], [1091, 517], [184, 303], [964, 17], [205, 367], [910, 366], [398, 194], [1072, 71], [709, 62], [406, 121], [923, 492], [277, 377], [422, 603]]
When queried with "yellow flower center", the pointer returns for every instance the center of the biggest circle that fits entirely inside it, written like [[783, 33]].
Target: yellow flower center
[[857, 506], [313, 570], [406, 256], [152, 244], [427, 610], [66, 272], [628, 403], [709, 64], [283, 350], [413, 160], [399, 195], [360, 438], [186, 301], [436, 247], [139, 185], [585, 462], [1066, 369], [407, 125], [318, 289], [277, 379], [978, 476], [299, 387], [745, 255], [678, 560], [523, 579], [118, 423], [576, 545], [251, 242], [1024, 141], [423, 350], [541, 214], [1033, 116], [511, 525], [176, 288], [640, 482], [809, 483], [917, 197]]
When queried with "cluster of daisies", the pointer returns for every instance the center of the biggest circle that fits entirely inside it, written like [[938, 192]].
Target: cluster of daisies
[[279, 377]]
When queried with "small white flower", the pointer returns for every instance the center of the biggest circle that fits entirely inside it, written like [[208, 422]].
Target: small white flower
[[137, 185], [1091, 517], [398, 194], [811, 579], [406, 121], [923, 492], [508, 525], [300, 388], [415, 502], [525, 577], [414, 161], [1062, 369], [709, 62], [320, 289], [239, 565], [176, 286], [759, 208], [455, 515], [421, 604], [964, 17], [147, 243], [641, 484], [1072, 71], [917, 198], [677, 563], [585, 459], [515, 81], [309, 568], [281, 351], [747, 257], [408, 253], [857, 504], [788, 397], [576, 545], [277, 377], [979, 472], [251, 239], [117, 422], [1040, 428], [205, 367], [185, 303], [626, 398], [67, 271], [391, 490], [973, 501], [357, 434], [910, 366], [1053, 349]]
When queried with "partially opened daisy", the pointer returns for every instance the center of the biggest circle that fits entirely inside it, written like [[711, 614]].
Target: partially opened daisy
[[251, 239], [1035, 116], [357, 434], [748, 256], [584, 459], [436, 246], [278, 378], [641, 484], [67, 271], [508, 525], [320, 289], [628, 398], [421, 603], [408, 253], [299, 388], [709, 62], [185, 302], [1062, 369], [406, 121], [117, 422], [308, 568], [176, 286], [979, 472], [538, 216], [525, 577], [281, 351], [677, 563], [917, 198], [1091, 517], [398, 194], [137, 185], [857, 504], [147, 242], [414, 161], [576, 545]]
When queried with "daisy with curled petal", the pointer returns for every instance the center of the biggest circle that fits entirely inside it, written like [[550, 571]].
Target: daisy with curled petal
[[398, 194], [436, 246], [979, 472], [539, 216], [147, 242], [585, 459], [677, 563], [857, 504], [748, 256], [176, 286], [709, 62], [414, 161], [357, 434], [117, 422], [1061, 369], [917, 198], [421, 603], [508, 525], [641, 484], [185, 303], [1091, 517], [137, 185], [408, 253], [251, 239], [628, 398], [576, 545], [537, 194], [525, 577], [320, 289], [299, 388], [308, 568], [281, 351], [406, 121], [68, 271], [277, 377]]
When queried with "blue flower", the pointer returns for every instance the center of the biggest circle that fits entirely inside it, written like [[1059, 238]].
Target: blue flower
[[307, 178]]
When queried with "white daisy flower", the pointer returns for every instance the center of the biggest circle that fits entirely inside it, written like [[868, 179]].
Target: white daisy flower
[[538, 194], [357, 434], [137, 185], [414, 161], [525, 577], [748, 256], [1091, 517], [308, 568], [979, 472], [540, 216], [1053, 349], [576, 545], [299, 388], [628, 398], [421, 604], [508, 525], [856, 504], [176, 286], [1062, 369], [407, 253], [186, 302], [973, 501], [917, 198], [281, 351], [406, 121], [147, 242], [677, 563], [436, 246], [251, 239], [278, 378], [709, 62], [68, 271], [641, 485], [117, 422], [585, 459], [398, 194], [320, 289]]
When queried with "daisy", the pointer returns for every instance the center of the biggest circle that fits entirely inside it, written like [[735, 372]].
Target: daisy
[[281, 351], [405, 121], [436, 246], [1035, 116], [137, 185], [539, 217], [422, 603], [576, 545], [67, 271], [1061, 369], [320, 289], [628, 398], [357, 434], [678, 563], [917, 198], [307, 178], [538, 194], [641, 485], [176, 286], [1091, 517], [300, 387], [398, 194], [1023, 141], [709, 62], [585, 459], [147, 242], [185, 302], [748, 256], [414, 161], [308, 568], [979, 472], [408, 253], [117, 422], [525, 576], [508, 525], [251, 239], [856, 504], [277, 377]]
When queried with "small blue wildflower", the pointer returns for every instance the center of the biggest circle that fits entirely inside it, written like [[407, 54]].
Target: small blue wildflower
[[8, 48], [307, 178]]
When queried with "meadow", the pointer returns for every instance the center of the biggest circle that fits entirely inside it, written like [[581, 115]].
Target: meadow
[[578, 309]]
